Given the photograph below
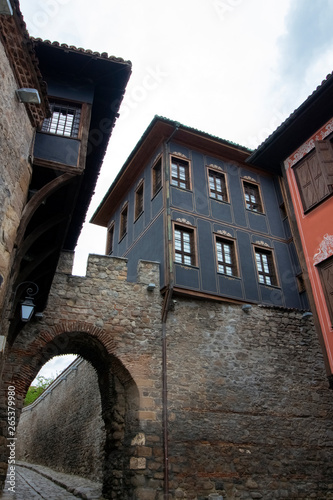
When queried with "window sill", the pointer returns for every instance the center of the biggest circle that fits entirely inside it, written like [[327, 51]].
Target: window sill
[[190, 266], [182, 189], [124, 236], [228, 276], [138, 217], [155, 194], [277, 287], [76, 138], [254, 212], [220, 201]]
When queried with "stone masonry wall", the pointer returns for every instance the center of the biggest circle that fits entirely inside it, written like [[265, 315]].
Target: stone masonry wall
[[68, 421], [116, 326], [249, 406], [250, 411], [16, 137]]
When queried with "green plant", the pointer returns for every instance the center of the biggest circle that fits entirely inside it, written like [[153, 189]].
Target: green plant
[[34, 391]]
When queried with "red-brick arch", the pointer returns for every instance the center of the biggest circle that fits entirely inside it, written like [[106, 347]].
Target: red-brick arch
[[119, 393]]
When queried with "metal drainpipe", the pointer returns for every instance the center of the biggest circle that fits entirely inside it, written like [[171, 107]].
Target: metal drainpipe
[[166, 305]]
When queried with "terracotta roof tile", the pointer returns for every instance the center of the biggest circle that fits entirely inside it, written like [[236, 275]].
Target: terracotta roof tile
[[81, 50]]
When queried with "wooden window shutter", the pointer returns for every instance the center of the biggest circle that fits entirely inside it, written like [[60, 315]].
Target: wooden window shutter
[[325, 156], [326, 276], [319, 178], [305, 183]]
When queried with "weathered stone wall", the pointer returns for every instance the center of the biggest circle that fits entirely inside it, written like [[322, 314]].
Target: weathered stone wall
[[250, 411], [16, 136], [249, 408], [116, 326], [67, 419]]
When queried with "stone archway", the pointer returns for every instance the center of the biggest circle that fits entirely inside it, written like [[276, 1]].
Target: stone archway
[[118, 391]]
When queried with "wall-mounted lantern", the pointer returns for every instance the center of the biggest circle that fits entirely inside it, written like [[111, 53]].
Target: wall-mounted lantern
[[307, 315], [30, 96], [27, 305], [27, 309]]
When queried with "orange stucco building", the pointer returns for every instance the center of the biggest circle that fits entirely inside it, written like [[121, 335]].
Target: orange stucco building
[[302, 149]]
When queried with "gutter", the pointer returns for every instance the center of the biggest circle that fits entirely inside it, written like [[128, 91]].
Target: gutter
[[165, 309]]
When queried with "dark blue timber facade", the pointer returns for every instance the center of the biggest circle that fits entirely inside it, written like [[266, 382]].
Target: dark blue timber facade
[[216, 224]]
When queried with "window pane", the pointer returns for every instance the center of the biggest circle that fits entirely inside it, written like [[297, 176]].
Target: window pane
[[183, 246], [265, 267], [65, 120], [265, 263], [178, 258], [226, 257], [258, 259], [187, 260], [252, 197], [180, 173]]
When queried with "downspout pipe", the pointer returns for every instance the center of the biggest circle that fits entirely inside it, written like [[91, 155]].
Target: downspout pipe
[[166, 306]]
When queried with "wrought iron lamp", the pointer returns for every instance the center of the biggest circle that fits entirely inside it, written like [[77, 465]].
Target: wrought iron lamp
[[28, 305]]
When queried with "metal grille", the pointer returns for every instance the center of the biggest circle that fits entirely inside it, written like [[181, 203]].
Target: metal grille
[[65, 120]]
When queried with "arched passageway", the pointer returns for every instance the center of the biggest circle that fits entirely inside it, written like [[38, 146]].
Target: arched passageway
[[118, 393]]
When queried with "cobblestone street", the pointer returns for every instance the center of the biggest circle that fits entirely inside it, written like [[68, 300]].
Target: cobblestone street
[[33, 485]]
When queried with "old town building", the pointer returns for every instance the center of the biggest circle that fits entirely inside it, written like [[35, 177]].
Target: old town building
[[301, 149], [209, 376], [215, 223]]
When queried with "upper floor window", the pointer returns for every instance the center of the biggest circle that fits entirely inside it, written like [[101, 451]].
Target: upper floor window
[[110, 238], [252, 197], [157, 176], [65, 120], [184, 245], [180, 173], [265, 266], [325, 269], [123, 222], [217, 185], [139, 201], [314, 175], [226, 256]]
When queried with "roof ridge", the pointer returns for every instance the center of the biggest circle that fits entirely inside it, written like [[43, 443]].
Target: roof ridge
[[293, 113], [186, 127], [81, 50]]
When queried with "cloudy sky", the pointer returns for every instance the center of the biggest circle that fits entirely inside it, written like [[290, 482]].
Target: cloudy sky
[[232, 68]]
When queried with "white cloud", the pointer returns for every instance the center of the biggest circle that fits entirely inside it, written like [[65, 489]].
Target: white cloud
[[233, 68], [55, 366]]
